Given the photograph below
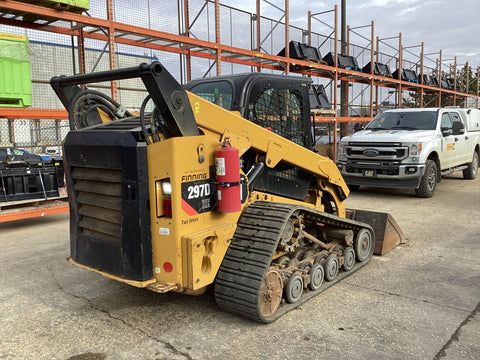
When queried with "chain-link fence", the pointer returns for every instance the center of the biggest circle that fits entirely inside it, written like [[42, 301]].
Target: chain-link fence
[[55, 53], [38, 136]]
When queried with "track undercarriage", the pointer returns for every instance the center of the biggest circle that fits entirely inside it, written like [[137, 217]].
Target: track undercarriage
[[282, 255]]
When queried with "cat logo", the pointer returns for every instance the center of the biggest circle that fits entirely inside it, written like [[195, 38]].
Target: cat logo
[[451, 147]]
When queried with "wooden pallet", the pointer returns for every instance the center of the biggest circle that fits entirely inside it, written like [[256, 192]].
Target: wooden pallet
[[17, 210]]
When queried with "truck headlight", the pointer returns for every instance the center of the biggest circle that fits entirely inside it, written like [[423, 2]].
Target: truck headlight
[[415, 149], [340, 153]]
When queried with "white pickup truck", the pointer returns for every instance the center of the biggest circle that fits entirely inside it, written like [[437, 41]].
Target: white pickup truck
[[412, 149]]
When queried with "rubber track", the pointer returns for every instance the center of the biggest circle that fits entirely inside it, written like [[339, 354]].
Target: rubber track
[[248, 258]]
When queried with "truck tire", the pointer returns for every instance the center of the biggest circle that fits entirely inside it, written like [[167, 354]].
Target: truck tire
[[428, 183], [470, 172]]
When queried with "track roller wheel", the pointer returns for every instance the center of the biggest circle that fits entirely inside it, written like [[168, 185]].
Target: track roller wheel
[[349, 259], [316, 277], [331, 267], [363, 245], [339, 249], [271, 293], [294, 288], [320, 259], [283, 260], [306, 266]]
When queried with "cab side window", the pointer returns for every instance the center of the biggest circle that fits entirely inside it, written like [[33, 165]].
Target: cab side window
[[457, 124], [446, 125], [280, 110], [446, 122]]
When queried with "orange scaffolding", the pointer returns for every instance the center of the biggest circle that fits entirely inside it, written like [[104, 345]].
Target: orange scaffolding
[[118, 33], [12, 13], [24, 210]]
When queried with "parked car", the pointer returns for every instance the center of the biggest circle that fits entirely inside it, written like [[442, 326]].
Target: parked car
[[11, 154], [48, 153]]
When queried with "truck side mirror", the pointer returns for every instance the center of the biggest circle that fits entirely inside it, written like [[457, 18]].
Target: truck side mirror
[[458, 128], [358, 127], [447, 132]]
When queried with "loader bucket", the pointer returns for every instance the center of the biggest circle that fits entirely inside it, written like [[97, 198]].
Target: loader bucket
[[387, 232]]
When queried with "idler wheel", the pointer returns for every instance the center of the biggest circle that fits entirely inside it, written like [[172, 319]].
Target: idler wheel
[[271, 293], [363, 245]]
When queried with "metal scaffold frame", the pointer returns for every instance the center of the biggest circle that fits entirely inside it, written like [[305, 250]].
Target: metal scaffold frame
[[187, 45]]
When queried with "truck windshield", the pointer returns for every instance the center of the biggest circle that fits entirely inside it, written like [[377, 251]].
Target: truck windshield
[[218, 92], [418, 120]]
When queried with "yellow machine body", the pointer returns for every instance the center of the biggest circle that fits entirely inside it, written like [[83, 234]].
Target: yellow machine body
[[195, 244], [143, 191]]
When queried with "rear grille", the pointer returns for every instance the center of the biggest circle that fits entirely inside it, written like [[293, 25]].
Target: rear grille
[[99, 198]]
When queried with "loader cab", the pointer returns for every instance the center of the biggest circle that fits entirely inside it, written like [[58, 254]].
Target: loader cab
[[276, 102]]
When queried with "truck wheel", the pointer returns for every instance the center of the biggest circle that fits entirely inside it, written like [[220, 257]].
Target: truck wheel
[[428, 183], [470, 172]]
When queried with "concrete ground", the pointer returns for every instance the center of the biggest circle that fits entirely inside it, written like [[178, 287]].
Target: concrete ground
[[419, 301]]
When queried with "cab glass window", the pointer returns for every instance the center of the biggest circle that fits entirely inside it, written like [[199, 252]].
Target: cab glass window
[[446, 122], [218, 92], [280, 110]]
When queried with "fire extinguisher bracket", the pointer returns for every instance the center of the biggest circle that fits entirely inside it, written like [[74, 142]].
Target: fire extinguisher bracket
[[232, 183]]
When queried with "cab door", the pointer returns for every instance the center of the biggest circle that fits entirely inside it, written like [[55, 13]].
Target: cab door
[[463, 156], [448, 158]]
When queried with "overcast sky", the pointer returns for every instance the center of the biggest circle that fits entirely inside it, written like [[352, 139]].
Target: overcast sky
[[450, 25]]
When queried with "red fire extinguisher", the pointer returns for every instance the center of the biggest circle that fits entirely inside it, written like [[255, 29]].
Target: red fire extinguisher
[[227, 163]]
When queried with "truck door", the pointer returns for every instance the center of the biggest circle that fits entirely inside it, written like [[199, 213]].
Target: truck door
[[448, 158], [462, 155]]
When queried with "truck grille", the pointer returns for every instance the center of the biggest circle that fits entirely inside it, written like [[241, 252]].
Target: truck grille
[[99, 196], [376, 151]]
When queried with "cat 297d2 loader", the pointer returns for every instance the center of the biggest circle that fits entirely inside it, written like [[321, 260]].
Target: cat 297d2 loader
[[215, 184]]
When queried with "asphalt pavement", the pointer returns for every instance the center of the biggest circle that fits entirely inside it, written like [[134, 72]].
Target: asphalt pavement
[[419, 301]]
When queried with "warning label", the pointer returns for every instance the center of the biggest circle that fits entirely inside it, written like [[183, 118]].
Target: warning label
[[220, 165]]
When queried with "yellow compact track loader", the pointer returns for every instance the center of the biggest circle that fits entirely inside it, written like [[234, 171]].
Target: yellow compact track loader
[[214, 183]]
